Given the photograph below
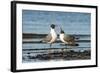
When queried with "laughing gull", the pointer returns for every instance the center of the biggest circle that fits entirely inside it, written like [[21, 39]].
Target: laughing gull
[[51, 37], [67, 39]]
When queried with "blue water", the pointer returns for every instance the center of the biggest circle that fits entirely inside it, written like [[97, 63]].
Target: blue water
[[39, 22], [72, 22]]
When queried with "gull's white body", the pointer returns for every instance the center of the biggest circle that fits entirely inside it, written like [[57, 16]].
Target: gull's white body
[[62, 38], [54, 36]]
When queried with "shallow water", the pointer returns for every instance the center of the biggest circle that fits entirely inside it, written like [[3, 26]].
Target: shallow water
[[34, 49]]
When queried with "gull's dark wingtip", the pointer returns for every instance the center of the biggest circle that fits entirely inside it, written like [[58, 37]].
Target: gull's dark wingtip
[[40, 41], [77, 38], [76, 44]]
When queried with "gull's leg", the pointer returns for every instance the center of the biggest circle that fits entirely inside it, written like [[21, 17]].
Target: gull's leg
[[50, 51], [50, 45], [62, 53]]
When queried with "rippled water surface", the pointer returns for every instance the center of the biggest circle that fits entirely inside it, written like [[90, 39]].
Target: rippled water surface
[[38, 22]]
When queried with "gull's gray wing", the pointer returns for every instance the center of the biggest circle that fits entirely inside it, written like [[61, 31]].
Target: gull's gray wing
[[47, 38], [69, 38]]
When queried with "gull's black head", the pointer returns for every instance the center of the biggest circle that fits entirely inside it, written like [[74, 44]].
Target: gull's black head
[[62, 31], [52, 26]]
